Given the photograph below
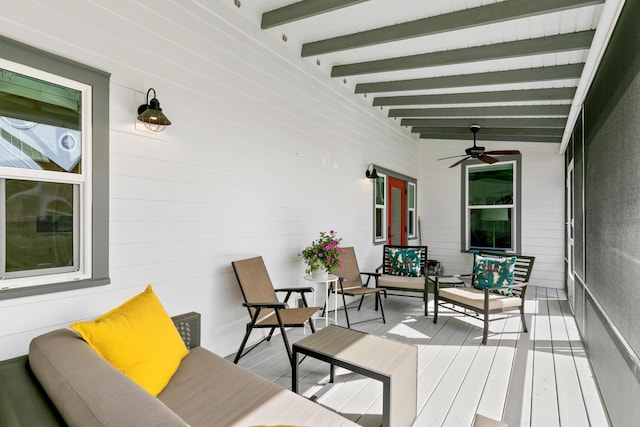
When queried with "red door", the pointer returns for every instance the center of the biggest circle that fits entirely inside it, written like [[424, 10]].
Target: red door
[[397, 212]]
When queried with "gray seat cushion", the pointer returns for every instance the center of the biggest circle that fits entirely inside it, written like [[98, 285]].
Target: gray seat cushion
[[208, 390]]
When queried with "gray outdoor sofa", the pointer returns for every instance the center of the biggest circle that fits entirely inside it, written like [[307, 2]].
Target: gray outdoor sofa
[[63, 381]]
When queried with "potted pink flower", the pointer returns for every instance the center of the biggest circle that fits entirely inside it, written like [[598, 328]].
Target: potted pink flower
[[323, 255]]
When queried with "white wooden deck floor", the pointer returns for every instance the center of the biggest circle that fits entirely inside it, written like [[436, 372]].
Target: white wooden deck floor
[[541, 378]]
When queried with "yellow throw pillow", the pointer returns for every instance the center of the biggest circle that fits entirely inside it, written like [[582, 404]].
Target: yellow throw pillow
[[139, 338]]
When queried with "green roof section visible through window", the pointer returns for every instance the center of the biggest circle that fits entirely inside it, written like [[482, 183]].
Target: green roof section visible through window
[[27, 98]]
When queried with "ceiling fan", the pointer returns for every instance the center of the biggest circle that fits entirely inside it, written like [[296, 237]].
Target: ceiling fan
[[477, 152]]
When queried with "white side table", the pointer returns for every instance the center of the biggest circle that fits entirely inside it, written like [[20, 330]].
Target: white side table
[[331, 278]]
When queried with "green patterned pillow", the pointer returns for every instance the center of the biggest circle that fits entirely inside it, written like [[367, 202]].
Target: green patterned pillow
[[404, 262], [494, 272]]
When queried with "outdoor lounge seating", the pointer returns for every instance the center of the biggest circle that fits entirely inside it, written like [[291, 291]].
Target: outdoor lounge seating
[[265, 310], [350, 283], [403, 269], [63, 381], [499, 284]]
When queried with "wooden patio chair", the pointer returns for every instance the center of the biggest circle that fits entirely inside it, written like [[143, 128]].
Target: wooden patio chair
[[350, 283], [265, 310], [403, 269], [486, 295]]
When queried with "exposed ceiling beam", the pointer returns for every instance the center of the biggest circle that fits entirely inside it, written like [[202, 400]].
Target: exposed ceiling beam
[[557, 132], [523, 122], [482, 15], [559, 72], [509, 111], [302, 9], [551, 94], [540, 45], [551, 139]]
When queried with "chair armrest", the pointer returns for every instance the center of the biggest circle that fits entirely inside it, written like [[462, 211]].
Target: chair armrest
[[376, 274], [301, 290], [514, 286], [453, 276], [265, 304]]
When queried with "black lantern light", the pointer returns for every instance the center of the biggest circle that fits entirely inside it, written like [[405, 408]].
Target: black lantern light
[[151, 114]]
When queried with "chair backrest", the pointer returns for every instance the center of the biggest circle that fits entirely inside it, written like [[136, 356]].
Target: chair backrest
[[389, 257], [349, 270], [522, 270], [254, 282]]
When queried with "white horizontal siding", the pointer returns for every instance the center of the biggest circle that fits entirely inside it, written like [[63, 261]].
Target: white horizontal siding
[[264, 152]]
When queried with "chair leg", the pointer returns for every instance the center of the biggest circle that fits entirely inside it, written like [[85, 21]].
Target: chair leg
[[485, 332], [250, 325], [379, 300], [283, 332], [360, 305], [270, 334], [346, 312], [426, 301], [244, 342], [435, 304], [524, 322]]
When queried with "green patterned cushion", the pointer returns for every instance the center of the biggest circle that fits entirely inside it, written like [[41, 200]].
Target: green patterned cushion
[[404, 262], [494, 272]]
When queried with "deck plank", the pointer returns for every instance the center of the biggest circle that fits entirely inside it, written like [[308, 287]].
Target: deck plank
[[544, 396], [540, 378], [570, 405]]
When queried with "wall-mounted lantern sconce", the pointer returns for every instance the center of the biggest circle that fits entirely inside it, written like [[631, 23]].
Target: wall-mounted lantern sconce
[[151, 114], [371, 172]]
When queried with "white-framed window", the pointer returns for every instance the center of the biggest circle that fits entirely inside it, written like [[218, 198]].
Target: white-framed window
[[380, 209], [411, 210], [53, 203], [45, 177], [491, 206]]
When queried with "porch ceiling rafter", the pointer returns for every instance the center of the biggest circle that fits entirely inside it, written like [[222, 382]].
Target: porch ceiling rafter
[[552, 94], [525, 75], [471, 112], [490, 131], [489, 137], [302, 9], [467, 18], [520, 122], [537, 46]]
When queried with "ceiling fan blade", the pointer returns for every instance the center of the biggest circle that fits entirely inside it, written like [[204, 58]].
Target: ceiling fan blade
[[502, 152], [459, 161], [452, 157], [488, 159]]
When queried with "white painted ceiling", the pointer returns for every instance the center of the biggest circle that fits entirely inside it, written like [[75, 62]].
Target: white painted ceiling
[[438, 66]]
